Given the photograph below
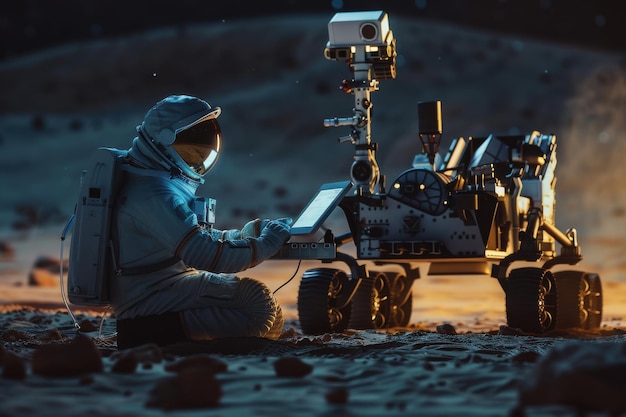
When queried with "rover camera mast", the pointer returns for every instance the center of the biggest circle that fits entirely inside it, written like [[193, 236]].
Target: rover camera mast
[[364, 41]]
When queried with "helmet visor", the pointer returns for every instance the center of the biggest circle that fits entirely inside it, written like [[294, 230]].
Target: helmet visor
[[199, 146]]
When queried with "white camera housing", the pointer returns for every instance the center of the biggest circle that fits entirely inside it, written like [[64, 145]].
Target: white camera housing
[[358, 28], [363, 38]]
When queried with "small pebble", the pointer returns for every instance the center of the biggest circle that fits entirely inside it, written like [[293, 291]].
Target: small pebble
[[292, 367]]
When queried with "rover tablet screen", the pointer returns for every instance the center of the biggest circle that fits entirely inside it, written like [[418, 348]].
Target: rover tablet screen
[[320, 207]]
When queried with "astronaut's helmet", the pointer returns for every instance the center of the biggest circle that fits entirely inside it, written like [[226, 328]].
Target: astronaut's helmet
[[182, 133]]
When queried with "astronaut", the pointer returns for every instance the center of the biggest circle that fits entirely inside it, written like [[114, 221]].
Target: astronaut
[[176, 280]]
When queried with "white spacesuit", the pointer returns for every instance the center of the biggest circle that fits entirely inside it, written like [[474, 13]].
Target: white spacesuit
[[176, 279]]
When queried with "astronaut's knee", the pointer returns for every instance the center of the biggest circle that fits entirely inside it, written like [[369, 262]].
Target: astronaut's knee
[[265, 318], [277, 326]]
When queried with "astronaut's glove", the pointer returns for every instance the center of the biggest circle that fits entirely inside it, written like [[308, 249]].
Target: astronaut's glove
[[286, 220], [253, 228], [273, 235]]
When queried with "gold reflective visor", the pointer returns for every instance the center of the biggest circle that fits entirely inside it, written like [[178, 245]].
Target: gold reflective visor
[[199, 146]]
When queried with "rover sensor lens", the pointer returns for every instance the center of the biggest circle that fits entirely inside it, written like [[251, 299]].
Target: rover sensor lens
[[368, 31], [361, 171]]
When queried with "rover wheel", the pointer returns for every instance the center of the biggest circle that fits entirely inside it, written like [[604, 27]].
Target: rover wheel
[[531, 300], [321, 298], [591, 301], [579, 297], [370, 305], [401, 304]]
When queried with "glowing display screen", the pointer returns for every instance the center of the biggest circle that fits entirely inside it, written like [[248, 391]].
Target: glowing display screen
[[320, 207]]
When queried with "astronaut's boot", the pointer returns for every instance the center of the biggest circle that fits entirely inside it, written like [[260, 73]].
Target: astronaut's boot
[[163, 329]]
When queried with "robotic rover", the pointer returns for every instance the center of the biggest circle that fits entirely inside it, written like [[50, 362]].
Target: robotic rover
[[488, 203]]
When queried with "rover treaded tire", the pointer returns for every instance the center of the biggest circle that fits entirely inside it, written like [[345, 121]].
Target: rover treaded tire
[[371, 303], [579, 296], [401, 304], [320, 298], [531, 300]]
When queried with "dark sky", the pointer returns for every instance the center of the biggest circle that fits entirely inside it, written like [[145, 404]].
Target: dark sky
[[29, 25]]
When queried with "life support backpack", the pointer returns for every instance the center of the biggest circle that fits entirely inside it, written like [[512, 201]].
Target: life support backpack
[[92, 252]]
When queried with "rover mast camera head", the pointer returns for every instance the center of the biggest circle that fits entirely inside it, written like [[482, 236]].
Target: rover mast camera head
[[363, 37]]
